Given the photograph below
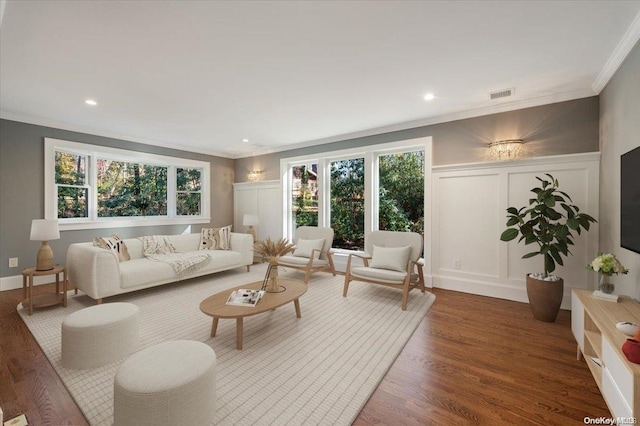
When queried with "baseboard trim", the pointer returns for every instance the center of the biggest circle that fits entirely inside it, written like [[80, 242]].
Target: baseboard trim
[[492, 289], [15, 281]]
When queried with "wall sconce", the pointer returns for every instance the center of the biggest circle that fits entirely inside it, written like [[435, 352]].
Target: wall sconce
[[508, 149], [254, 175]]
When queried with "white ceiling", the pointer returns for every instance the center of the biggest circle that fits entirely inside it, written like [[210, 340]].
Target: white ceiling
[[203, 75]]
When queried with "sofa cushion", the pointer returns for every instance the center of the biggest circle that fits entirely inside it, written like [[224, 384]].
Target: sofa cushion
[[156, 244], [143, 272], [115, 244], [215, 238], [379, 274], [185, 242]]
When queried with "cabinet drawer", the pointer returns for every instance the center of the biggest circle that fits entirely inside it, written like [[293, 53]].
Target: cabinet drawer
[[618, 374], [617, 404]]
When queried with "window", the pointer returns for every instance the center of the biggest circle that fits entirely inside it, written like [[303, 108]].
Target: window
[[189, 192], [401, 192], [130, 189], [89, 186], [304, 194], [71, 185], [356, 191], [347, 203]]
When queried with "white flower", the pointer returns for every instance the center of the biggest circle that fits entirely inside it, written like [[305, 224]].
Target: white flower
[[607, 264]]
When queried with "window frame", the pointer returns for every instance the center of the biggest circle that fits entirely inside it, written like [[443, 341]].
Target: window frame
[[371, 154], [92, 153], [178, 191]]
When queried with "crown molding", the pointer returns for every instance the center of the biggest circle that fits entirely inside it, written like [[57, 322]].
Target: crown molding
[[618, 56], [461, 115], [476, 112], [105, 134]]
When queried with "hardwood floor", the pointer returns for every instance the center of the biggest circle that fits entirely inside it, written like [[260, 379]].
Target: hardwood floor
[[472, 360]]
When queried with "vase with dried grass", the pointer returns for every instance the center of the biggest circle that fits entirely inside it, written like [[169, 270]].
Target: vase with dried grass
[[271, 251]]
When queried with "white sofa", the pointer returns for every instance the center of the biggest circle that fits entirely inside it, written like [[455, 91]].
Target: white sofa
[[97, 272]]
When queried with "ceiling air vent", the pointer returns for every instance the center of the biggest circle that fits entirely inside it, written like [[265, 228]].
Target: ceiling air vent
[[504, 93]]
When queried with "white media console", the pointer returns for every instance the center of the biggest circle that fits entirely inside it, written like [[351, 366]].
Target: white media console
[[593, 322]]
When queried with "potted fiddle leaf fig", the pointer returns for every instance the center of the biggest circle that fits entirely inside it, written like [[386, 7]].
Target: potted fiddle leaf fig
[[548, 222]]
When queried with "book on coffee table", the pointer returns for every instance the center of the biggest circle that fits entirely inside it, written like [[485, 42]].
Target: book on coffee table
[[245, 297]]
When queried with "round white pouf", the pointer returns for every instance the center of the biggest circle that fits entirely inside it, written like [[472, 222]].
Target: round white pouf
[[172, 383], [98, 335]]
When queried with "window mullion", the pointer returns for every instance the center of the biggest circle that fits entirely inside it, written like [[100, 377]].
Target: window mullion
[[324, 189], [172, 193], [92, 182], [370, 198]]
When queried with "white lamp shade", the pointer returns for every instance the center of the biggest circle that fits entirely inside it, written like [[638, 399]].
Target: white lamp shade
[[250, 220], [44, 230]]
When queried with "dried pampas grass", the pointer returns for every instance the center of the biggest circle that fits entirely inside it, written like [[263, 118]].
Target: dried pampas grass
[[273, 249]]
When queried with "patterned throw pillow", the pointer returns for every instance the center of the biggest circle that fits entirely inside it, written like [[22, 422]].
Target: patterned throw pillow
[[215, 238], [115, 244]]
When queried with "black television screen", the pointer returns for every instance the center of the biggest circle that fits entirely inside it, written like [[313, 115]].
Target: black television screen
[[630, 200]]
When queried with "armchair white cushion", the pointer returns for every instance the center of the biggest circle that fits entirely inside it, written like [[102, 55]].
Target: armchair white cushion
[[394, 258], [394, 262], [313, 251], [309, 248]]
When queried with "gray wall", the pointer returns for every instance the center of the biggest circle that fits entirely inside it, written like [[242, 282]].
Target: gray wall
[[562, 128], [22, 191], [619, 133]]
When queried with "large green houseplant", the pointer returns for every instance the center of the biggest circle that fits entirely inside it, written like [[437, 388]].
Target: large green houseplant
[[548, 222]]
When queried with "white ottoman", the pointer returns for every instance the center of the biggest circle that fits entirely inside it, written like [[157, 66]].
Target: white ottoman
[[99, 335], [172, 383]]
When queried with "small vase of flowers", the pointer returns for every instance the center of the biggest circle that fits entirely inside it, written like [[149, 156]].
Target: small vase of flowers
[[607, 264], [271, 251]]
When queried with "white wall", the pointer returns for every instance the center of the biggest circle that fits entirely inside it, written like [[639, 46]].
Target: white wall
[[262, 199], [469, 214], [619, 133]]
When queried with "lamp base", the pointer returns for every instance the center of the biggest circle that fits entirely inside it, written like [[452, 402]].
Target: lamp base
[[252, 232], [44, 260]]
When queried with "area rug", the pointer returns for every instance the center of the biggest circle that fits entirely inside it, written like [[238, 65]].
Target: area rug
[[317, 370]]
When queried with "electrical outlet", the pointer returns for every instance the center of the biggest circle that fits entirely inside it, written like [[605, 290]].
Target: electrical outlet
[[457, 264], [13, 262]]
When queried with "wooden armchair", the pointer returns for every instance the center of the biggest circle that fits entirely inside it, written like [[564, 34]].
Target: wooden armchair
[[391, 260], [313, 251]]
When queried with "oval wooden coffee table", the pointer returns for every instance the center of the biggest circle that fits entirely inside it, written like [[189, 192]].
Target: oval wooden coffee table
[[215, 306]]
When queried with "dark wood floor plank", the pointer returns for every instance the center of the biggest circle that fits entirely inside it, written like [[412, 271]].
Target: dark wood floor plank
[[473, 360]]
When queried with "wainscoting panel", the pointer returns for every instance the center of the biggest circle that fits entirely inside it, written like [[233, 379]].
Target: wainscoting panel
[[469, 214], [466, 211], [263, 199]]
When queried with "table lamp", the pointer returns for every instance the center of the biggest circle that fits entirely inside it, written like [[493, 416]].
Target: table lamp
[[44, 230], [250, 220]]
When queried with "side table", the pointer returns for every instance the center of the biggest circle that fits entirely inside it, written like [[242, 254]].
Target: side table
[[43, 300]]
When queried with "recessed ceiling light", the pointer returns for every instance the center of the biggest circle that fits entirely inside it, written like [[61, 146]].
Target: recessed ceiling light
[[429, 97], [245, 140], [91, 102]]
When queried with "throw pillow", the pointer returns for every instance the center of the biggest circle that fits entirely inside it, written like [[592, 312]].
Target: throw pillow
[[115, 244], [215, 238], [393, 258], [304, 248]]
